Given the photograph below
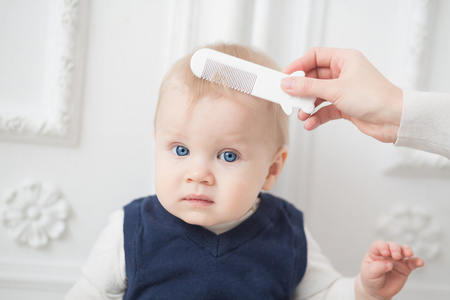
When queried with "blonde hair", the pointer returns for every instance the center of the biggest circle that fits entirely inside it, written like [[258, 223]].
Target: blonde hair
[[198, 88]]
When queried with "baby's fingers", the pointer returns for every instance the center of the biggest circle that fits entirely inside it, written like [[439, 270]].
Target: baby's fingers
[[396, 251], [407, 251], [414, 263], [382, 250], [379, 250]]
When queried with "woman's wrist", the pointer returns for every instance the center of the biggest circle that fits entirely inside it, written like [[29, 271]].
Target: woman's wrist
[[394, 111]]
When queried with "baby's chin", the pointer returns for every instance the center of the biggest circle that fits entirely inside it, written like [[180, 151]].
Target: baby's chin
[[203, 223], [198, 219], [210, 223]]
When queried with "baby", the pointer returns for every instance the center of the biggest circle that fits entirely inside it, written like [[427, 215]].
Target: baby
[[209, 232]]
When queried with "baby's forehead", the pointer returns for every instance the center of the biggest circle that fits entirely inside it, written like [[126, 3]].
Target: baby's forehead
[[176, 88], [178, 107]]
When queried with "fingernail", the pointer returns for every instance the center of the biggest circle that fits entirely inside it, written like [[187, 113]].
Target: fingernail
[[287, 83]]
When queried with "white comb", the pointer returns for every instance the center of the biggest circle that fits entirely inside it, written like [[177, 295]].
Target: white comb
[[247, 77]]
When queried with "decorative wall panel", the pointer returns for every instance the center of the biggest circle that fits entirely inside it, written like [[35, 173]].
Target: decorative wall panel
[[56, 119]]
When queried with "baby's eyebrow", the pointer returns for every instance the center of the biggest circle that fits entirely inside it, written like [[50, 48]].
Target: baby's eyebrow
[[234, 142], [172, 132]]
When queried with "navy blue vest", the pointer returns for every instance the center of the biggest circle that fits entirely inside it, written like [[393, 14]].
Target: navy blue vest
[[262, 258]]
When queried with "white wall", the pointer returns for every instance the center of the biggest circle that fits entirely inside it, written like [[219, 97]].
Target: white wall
[[81, 123]]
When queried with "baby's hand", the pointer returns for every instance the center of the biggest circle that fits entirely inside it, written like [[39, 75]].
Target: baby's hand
[[385, 269]]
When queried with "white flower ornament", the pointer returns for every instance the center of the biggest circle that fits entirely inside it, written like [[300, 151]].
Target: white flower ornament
[[35, 213], [411, 225]]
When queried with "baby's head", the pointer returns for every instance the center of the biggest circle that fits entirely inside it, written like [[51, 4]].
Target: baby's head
[[215, 148], [195, 88]]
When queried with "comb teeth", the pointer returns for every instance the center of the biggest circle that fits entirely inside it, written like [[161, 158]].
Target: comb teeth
[[234, 78]]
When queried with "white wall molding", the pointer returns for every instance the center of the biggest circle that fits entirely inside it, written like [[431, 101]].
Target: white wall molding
[[416, 29], [181, 30], [57, 122], [413, 39], [38, 276], [399, 160], [195, 23]]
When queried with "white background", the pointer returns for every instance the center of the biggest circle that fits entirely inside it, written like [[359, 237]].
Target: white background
[[344, 181]]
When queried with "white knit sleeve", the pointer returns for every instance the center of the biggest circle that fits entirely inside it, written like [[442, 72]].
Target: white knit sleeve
[[103, 274], [321, 281], [425, 123]]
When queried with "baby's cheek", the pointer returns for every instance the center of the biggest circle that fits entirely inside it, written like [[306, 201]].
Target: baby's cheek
[[247, 188], [165, 178]]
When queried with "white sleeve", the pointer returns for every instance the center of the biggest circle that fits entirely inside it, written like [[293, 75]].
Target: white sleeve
[[425, 123], [321, 281], [103, 274]]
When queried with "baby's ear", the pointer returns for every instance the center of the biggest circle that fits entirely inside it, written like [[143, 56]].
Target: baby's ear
[[275, 168]]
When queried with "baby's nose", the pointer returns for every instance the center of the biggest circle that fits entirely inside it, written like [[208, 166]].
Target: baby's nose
[[200, 174]]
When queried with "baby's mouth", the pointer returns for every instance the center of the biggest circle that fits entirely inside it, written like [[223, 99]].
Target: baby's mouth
[[198, 200]]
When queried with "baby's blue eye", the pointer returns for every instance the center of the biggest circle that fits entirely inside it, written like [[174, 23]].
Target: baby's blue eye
[[180, 150], [228, 156]]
